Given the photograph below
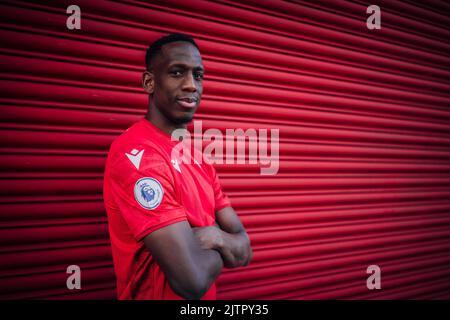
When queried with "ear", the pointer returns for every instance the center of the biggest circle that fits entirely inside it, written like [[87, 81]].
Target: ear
[[148, 81]]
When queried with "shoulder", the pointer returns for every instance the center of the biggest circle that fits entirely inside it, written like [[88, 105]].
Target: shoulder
[[134, 151]]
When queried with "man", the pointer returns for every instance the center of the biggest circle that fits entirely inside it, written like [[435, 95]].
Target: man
[[172, 228]]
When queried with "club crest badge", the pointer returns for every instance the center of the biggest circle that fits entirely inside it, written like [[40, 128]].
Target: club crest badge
[[148, 192]]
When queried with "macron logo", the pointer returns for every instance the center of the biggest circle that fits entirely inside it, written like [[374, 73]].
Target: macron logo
[[135, 157]]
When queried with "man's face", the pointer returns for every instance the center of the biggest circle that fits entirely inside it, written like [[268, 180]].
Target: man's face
[[178, 76]]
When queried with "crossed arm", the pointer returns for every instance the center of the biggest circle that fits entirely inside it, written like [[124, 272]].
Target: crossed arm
[[228, 237], [192, 258]]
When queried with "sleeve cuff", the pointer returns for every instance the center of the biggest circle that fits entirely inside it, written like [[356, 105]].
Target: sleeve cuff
[[181, 216], [222, 205]]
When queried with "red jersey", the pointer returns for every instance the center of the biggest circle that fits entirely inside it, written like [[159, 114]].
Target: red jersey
[[144, 190]]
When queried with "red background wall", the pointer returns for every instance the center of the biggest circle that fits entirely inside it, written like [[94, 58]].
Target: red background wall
[[364, 126]]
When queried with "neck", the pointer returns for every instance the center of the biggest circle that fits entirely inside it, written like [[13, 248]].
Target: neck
[[161, 122]]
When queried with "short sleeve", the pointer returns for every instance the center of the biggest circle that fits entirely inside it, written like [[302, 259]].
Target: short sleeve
[[220, 198], [146, 197]]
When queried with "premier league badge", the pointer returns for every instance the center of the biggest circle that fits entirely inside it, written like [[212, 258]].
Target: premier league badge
[[148, 193]]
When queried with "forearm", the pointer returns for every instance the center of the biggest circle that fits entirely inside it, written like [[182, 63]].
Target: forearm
[[210, 264], [198, 274], [189, 268], [233, 244]]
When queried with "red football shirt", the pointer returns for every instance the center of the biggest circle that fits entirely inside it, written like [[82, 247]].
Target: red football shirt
[[144, 190]]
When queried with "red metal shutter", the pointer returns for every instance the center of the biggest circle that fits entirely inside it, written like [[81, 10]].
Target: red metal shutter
[[364, 126]]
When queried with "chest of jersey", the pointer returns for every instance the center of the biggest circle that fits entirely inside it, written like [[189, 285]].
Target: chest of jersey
[[195, 192]]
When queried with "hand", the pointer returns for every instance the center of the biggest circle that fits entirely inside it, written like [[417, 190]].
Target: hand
[[236, 250], [209, 237]]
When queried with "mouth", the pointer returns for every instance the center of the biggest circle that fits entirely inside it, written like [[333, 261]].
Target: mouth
[[187, 102]]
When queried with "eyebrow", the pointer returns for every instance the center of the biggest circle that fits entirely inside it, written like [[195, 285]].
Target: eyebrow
[[185, 66]]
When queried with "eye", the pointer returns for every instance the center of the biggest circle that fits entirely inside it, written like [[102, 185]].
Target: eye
[[199, 76], [176, 73]]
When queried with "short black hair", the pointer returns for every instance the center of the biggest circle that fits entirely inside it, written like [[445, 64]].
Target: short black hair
[[156, 46]]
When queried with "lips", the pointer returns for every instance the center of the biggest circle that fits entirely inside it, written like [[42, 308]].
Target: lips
[[187, 102]]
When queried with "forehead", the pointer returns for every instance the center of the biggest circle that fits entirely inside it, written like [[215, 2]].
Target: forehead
[[180, 52]]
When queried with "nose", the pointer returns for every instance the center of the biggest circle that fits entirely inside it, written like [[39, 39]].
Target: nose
[[189, 83]]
